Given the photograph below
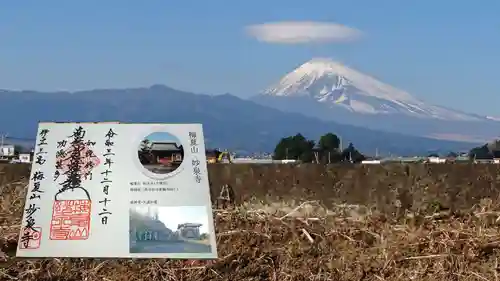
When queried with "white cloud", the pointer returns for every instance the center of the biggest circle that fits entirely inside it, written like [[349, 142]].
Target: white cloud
[[301, 32]]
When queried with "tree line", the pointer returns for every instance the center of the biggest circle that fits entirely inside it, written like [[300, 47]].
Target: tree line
[[326, 150], [487, 151]]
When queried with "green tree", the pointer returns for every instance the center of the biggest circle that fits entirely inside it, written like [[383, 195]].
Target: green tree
[[329, 142], [144, 152], [328, 147], [481, 152], [18, 149], [145, 146], [282, 149], [294, 147], [307, 154], [351, 154]]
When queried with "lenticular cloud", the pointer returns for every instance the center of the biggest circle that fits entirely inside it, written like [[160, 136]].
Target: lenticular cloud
[[302, 32]]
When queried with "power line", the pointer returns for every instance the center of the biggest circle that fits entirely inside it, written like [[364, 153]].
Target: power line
[[18, 138], [5, 139], [5, 136]]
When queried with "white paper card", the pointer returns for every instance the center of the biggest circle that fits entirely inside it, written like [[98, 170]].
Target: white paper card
[[118, 190]]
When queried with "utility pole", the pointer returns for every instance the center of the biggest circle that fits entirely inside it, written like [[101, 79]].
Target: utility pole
[[2, 142]]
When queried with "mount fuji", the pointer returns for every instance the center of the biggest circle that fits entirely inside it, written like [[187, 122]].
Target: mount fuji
[[329, 90]]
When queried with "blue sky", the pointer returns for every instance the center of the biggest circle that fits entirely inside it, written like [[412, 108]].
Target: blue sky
[[445, 52]]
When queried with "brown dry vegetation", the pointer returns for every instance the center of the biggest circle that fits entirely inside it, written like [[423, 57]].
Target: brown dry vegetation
[[391, 189], [284, 241]]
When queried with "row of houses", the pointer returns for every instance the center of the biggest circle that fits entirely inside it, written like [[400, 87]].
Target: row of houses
[[432, 159], [13, 154], [167, 152], [157, 153]]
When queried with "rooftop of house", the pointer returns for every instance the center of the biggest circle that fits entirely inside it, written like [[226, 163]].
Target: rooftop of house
[[165, 146], [189, 225], [6, 145]]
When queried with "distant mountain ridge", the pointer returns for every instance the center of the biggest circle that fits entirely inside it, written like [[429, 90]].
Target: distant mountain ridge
[[229, 122], [331, 91]]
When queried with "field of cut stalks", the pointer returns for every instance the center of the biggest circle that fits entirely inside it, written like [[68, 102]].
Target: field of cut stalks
[[289, 241]]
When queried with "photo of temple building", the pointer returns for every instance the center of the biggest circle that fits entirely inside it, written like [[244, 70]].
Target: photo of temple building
[[160, 153], [189, 230]]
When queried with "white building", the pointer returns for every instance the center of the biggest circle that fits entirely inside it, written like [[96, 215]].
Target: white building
[[7, 150], [24, 158], [436, 160], [370, 162], [189, 230]]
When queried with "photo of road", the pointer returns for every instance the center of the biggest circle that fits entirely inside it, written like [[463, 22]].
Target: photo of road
[[176, 229], [169, 247]]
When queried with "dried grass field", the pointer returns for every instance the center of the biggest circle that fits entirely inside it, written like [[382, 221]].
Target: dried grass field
[[291, 241]]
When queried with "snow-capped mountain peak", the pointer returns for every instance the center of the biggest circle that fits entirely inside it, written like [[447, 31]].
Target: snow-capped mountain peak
[[337, 85], [308, 73]]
